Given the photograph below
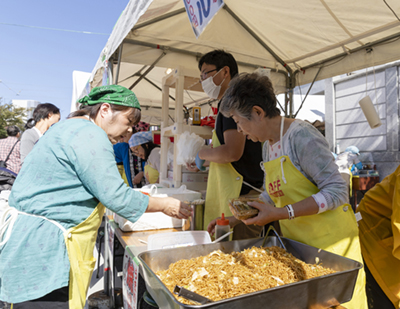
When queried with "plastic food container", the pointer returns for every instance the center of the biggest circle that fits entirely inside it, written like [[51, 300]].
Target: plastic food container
[[177, 239], [241, 210]]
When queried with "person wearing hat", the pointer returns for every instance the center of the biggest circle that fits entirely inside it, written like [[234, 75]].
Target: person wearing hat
[[129, 165], [347, 162], [48, 232], [142, 145], [380, 242]]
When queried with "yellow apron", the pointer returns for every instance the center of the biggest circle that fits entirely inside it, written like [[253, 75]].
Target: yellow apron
[[287, 185], [151, 174], [121, 170], [223, 183], [379, 234], [80, 241]]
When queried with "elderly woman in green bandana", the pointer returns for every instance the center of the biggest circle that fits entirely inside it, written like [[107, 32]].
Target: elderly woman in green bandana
[[56, 205]]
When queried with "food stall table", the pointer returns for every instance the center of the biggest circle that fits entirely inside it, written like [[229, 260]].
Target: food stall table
[[133, 244], [116, 238]]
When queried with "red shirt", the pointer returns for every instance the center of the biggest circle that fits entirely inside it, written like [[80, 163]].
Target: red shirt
[[14, 161]]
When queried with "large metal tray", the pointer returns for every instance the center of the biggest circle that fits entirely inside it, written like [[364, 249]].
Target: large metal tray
[[321, 292]]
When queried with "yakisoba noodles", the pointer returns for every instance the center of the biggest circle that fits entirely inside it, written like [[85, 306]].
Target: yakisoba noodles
[[219, 275]]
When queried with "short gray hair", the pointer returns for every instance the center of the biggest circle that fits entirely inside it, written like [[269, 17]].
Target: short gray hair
[[247, 90]]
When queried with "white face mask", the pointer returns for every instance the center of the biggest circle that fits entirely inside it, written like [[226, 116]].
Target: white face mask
[[210, 88]]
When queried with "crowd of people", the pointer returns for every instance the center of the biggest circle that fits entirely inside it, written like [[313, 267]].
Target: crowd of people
[[103, 150], [15, 148]]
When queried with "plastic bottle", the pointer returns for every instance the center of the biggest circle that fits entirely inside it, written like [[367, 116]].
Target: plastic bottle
[[222, 228], [337, 148]]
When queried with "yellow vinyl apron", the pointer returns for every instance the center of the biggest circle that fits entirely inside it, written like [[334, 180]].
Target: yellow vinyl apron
[[287, 185], [223, 183], [379, 234], [151, 174], [121, 170], [80, 241]]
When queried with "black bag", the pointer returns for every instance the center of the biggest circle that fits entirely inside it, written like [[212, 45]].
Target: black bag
[[3, 163], [7, 179]]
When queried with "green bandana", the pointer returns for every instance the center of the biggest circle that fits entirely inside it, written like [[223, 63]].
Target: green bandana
[[113, 94]]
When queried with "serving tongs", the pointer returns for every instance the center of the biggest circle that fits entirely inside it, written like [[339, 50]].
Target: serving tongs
[[192, 296], [276, 234]]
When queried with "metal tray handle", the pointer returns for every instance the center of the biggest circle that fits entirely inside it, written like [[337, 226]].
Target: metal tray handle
[[180, 291], [276, 234]]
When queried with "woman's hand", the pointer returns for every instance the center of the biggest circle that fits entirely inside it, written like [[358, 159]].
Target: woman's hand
[[211, 226], [169, 206], [192, 167], [138, 178], [267, 213]]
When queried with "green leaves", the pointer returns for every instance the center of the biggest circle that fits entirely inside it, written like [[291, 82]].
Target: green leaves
[[11, 115]]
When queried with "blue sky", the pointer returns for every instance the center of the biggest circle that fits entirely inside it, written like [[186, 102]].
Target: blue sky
[[36, 63]]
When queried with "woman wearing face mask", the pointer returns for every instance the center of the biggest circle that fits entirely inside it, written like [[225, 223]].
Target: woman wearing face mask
[[234, 160], [44, 116]]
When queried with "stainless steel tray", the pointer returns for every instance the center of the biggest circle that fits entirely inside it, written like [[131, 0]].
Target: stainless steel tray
[[321, 292]]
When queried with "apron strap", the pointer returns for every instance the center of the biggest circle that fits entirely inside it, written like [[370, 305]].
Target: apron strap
[[283, 174], [52, 221], [8, 218], [281, 134]]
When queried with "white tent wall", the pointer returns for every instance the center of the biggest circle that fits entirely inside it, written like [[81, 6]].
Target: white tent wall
[[79, 82], [346, 124]]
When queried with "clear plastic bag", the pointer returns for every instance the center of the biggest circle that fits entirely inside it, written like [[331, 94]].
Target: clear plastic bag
[[188, 146]]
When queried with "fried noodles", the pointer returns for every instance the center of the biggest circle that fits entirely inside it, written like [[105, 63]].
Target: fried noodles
[[219, 275]]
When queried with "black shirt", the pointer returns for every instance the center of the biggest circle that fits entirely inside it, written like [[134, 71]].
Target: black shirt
[[249, 164]]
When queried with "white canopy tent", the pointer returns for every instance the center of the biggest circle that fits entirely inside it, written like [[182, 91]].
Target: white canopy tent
[[300, 41], [149, 92]]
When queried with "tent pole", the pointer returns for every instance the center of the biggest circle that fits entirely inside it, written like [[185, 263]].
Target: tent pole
[[119, 63], [309, 89], [195, 54], [160, 18], [159, 88], [352, 51], [138, 73], [257, 38], [291, 81], [110, 65], [148, 70]]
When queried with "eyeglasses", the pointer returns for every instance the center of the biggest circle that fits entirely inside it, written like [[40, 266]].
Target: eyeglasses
[[203, 75], [135, 150]]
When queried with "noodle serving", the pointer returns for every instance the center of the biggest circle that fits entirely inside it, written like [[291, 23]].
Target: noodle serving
[[220, 275]]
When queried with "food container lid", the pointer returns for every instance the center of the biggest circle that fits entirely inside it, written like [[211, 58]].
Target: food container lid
[[222, 221]]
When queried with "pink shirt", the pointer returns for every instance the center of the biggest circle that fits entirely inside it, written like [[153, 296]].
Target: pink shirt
[[14, 161]]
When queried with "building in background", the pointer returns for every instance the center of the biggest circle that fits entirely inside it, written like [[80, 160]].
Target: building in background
[[30, 105], [347, 125]]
